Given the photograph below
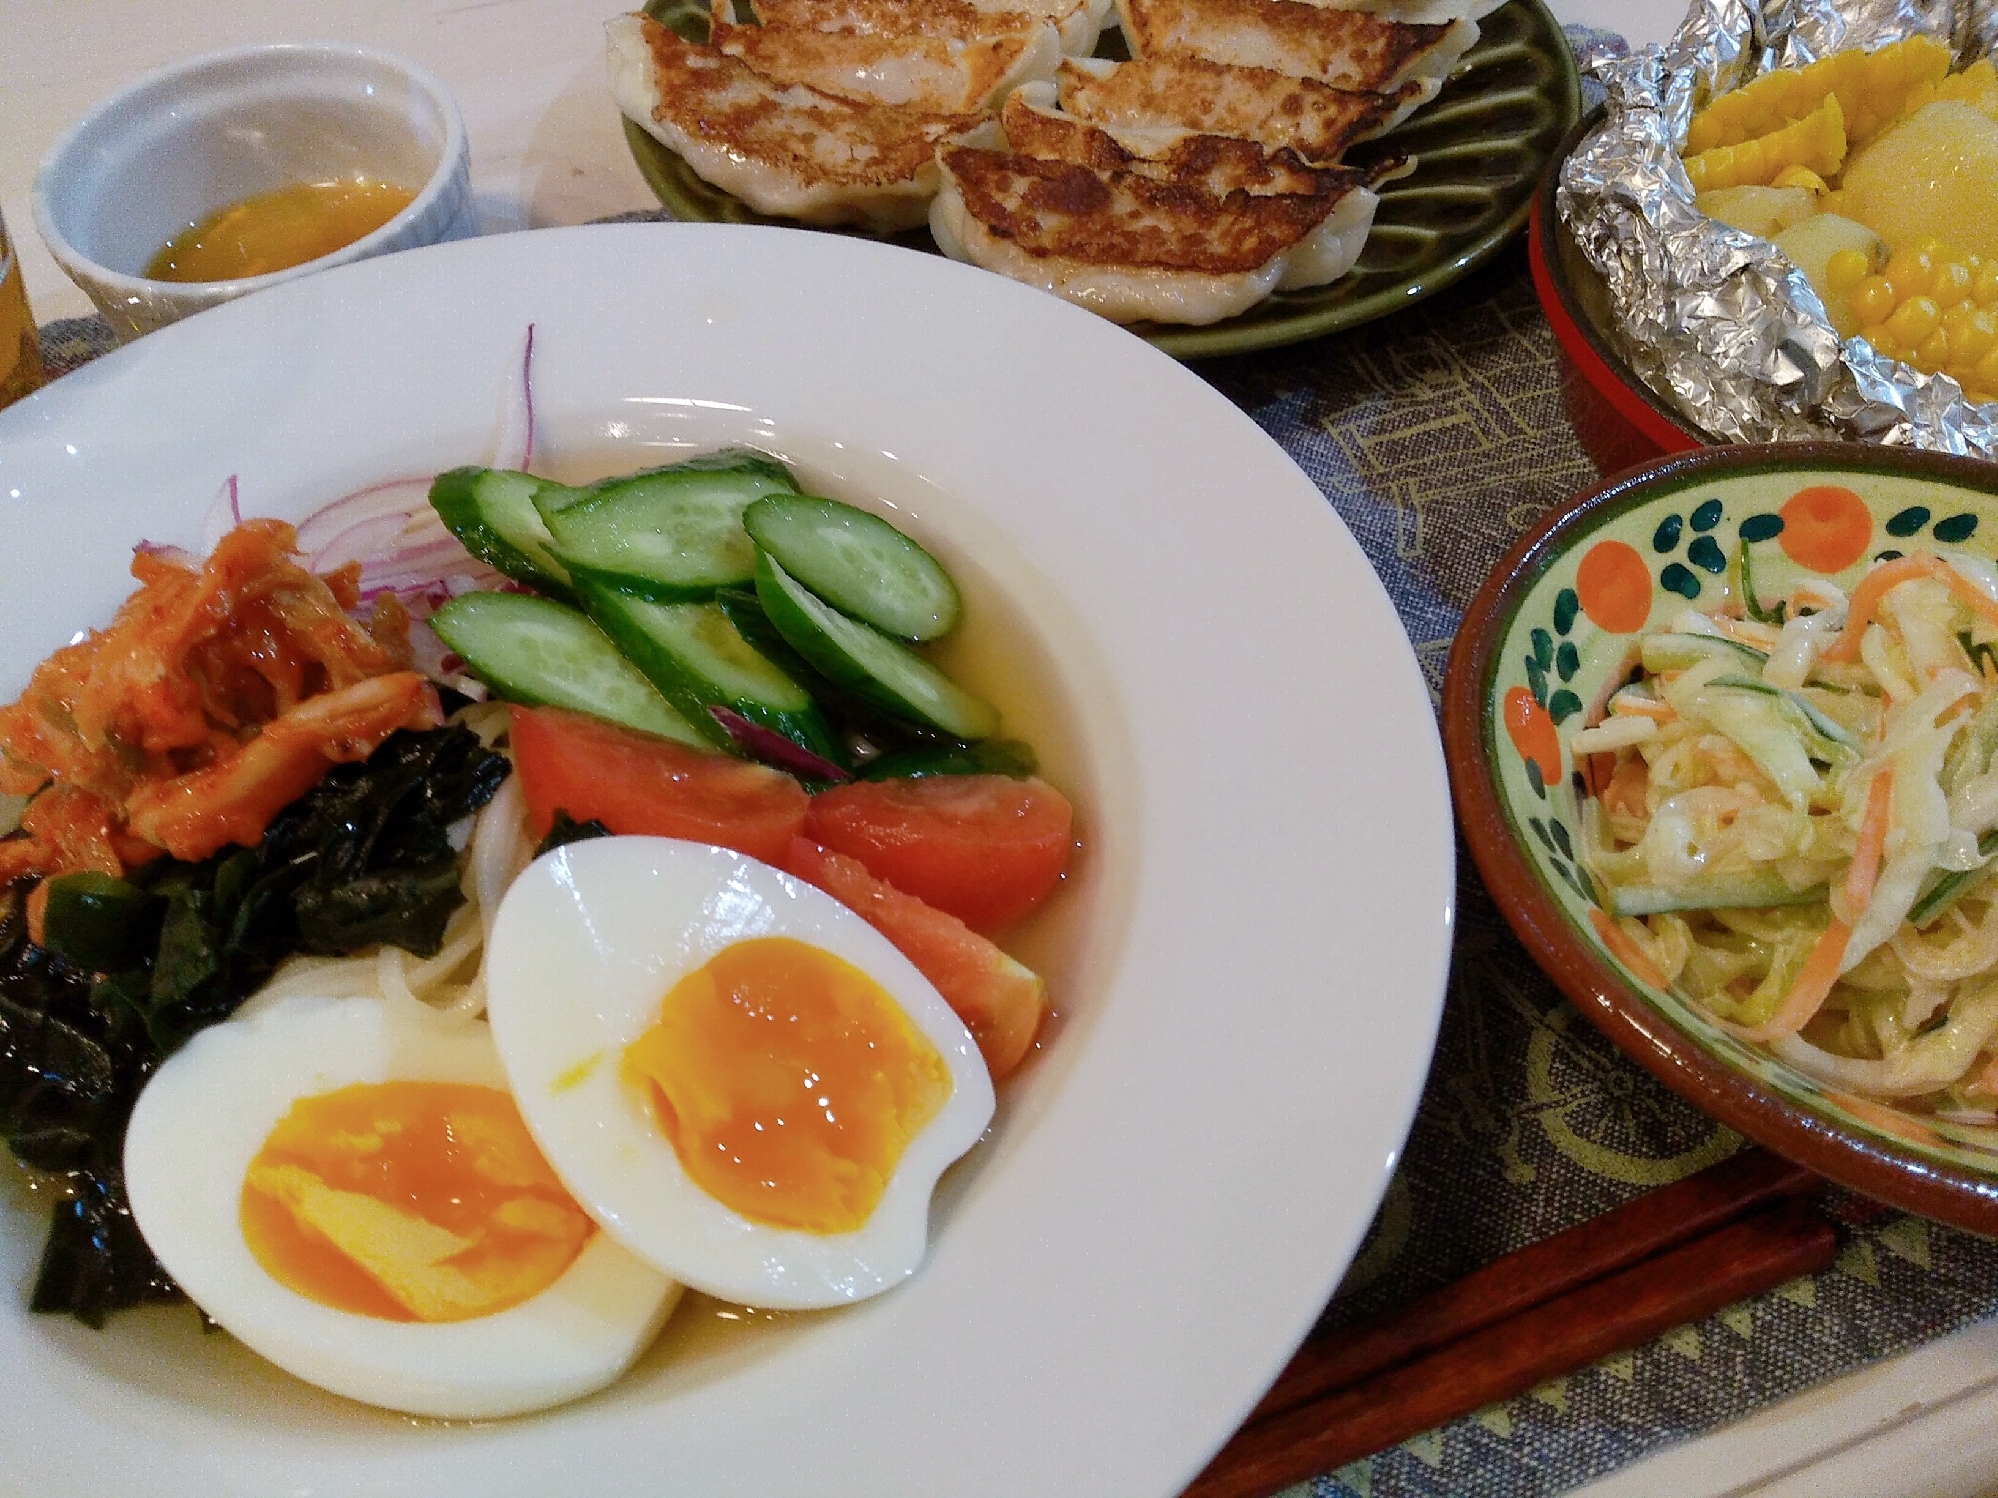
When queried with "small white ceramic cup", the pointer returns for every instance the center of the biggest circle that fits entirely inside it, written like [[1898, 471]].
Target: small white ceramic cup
[[200, 135]]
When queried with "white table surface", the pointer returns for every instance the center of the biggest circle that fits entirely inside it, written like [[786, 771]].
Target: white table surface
[[547, 149]]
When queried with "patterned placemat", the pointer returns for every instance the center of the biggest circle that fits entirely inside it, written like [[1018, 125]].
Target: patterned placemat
[[1439, 436]]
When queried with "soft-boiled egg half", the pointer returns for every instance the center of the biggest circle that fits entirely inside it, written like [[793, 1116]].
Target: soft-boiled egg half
[[740, 1079], [347, 1187]]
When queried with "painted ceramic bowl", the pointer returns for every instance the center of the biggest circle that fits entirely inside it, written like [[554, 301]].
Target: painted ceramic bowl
[[1551, 635], [1619, 419]]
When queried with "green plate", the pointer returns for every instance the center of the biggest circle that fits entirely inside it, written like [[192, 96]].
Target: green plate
[[1482, 145]]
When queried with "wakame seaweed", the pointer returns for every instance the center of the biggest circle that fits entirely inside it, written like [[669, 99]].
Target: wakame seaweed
[[363, 857], [565, 829]]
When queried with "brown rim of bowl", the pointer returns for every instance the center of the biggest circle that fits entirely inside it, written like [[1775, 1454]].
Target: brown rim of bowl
[[1631, 398], [1932, 1188]]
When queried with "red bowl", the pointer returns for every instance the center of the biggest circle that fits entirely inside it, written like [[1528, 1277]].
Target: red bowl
[[1620, 422]]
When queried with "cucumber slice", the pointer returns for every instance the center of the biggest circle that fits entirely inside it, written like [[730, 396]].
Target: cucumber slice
[[100, 922], [857, 562], [670, 534], [859, 659], [1746, 890], [491, 510], [545, 654], [745, 612], [698, 659], [1014, 757]]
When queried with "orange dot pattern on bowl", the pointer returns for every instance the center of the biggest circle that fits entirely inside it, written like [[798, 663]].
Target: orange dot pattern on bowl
[[1826, 528], [1532, 734], [1615, 587]]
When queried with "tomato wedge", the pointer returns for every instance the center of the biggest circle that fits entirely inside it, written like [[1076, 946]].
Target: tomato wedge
[[999, 1000], [985, 848], [636, 783]]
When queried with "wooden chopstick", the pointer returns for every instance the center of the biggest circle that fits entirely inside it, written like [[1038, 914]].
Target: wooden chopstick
[[1639, 1229], [1551, 1337]]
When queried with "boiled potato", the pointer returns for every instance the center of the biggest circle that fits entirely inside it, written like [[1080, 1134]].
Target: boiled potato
[[1933, 176], [1761, 211], [1812, 243]]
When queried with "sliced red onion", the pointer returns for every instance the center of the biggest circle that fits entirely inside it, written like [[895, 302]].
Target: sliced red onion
[[405, 497], [440, 663], [427, 559], [363, 543], [515, 448], [224, 515], [772, 748], [180, 556]]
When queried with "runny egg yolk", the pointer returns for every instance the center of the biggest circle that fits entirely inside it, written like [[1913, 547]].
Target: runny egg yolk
[[411, 1201], [789, 1083]]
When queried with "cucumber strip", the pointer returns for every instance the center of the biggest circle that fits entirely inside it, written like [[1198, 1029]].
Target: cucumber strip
[[1835, 736], [1749, 601], [545, 654], [698, 659], [671, 534], [859, 659], [1665, 652], [857, 562], [1743, 891], [1951, 887], [491, 510]]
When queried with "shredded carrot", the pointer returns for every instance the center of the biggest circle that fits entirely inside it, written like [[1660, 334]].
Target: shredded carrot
[[1744, 631], [1864, 869], [1866, 598], [1987, 1081], [1887, 1120], [1814, 984], [1630, 705], [1624, 948], [1889, 575], [1596, 771], [1625, 792], [1981, 603]]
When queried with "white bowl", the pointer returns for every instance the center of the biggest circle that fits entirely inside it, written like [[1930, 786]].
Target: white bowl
[[200, 135]]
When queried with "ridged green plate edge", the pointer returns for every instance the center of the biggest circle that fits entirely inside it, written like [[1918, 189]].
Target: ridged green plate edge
[[1482, 145]]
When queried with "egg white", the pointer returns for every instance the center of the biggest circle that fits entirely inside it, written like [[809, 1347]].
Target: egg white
[[583, 951], [207, 1112]]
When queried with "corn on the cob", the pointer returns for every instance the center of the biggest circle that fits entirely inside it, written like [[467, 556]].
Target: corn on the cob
[[1871, 87], [1816, 143], [1801, 176], [1976, 85], [1928, 307]]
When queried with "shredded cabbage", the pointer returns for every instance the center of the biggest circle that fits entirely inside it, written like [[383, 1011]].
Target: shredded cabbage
[[1745, 767]]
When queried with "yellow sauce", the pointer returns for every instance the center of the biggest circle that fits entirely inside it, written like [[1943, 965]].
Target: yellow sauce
[[789, 1082], [411, 1201], [276, 230]]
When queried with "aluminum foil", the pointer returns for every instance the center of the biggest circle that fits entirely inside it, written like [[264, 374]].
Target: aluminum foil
[[1717, 321]]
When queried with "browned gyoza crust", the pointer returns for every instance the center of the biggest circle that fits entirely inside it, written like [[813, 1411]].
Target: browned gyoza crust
[[955, 20], [1311, 118], [1123, 219], [1348, 48], [807, 135], [934, 73], [1218, 164]]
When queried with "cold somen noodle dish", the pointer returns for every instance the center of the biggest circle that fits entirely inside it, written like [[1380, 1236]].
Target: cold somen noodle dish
[[1794, 819], [434, 934]]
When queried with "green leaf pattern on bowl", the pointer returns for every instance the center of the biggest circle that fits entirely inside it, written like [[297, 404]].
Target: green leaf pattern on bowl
[[1558, 656]]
